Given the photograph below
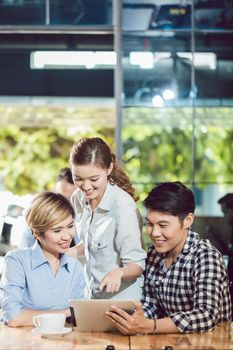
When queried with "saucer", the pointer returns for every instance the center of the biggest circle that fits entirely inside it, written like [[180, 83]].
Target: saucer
[[65, 330]]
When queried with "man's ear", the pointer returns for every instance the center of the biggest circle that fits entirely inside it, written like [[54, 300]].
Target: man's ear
[[188, 220]]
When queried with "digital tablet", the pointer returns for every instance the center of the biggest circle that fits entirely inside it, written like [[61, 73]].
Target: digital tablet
[[89, 314]]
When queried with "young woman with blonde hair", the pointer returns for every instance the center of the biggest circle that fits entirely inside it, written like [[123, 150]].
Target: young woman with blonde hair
[[42, 278], [107, 222]]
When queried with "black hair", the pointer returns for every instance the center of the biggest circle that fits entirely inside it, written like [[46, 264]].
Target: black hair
[[171, 197], [227, 200], [65, 174]]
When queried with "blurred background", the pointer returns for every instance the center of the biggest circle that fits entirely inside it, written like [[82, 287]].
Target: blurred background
[[154, 78]]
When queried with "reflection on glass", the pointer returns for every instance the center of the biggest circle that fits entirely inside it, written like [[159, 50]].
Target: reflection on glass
[[22, 12], [214, 14], [55, 12], [136, 15], [158, 53], [169, 76], [159, 78], [175, 14], [157, 14], [80, 12]]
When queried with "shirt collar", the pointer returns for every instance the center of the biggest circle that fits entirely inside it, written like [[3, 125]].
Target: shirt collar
[[191, 239], [39, 258]]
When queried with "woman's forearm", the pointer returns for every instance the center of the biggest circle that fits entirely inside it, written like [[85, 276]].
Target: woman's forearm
[[24, 318], [131, 271]]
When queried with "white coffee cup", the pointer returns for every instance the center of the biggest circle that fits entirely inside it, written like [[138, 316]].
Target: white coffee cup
[[49, 322]]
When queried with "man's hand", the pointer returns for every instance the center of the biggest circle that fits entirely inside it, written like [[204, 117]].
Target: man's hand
[[130, 324], [112, 281]]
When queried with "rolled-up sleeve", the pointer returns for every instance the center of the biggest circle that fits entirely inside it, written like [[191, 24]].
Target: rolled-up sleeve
[[150, 304], [211, 284], [12, 287], [128, 238]]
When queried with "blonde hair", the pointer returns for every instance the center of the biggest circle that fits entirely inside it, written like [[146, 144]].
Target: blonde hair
[[95, 151], [46, 210]]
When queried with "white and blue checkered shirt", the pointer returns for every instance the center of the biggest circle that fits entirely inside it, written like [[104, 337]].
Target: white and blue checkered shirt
[[193, 291]]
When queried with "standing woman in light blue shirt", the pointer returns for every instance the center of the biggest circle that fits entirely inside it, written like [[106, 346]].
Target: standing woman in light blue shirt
[[42, 278], [107, 222]]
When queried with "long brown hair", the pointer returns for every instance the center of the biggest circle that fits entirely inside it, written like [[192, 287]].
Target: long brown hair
[[95, 151]]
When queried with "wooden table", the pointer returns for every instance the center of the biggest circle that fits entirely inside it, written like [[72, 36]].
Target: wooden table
[[219, 339], [23, 339]]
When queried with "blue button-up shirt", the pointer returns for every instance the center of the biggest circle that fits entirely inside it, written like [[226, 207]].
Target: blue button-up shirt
[[28, 282]]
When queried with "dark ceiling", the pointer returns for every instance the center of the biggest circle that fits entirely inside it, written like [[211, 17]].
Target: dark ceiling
[[156, 26], [18, 79]]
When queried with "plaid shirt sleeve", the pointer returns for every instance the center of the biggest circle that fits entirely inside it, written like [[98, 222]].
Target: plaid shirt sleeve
[[151, 306], [210, 285], [150, 302]]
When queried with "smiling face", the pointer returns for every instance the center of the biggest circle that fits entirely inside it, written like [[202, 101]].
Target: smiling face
[[57, 239], [92, 180], [167, 232]]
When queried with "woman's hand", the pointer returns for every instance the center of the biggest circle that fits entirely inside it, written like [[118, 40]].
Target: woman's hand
[[112, 281], [130, 324]]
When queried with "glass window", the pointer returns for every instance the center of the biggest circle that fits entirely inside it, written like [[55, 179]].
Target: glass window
[[22, 12], [178, 86], [80, 12], [56, 12], [157, 145], [213, 14]]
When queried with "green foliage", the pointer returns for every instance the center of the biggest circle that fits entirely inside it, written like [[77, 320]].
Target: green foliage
[[157, 147], [160, 149], [32, 157]]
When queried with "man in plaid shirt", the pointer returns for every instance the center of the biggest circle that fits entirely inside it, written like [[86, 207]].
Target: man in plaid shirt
[[186, 286]]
